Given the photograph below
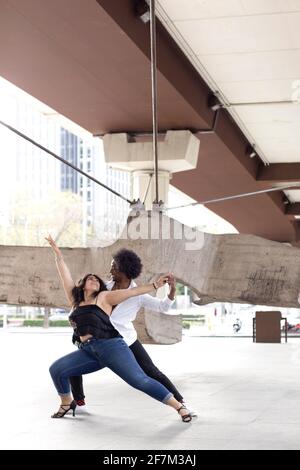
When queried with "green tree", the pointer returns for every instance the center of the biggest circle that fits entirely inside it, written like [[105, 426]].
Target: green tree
[[60, 213]]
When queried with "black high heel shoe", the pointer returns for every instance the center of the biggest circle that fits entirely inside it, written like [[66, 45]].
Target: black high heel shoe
[[65, 408], [187, 418]]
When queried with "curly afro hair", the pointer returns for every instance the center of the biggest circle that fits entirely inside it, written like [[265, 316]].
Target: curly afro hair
[[129, 263]]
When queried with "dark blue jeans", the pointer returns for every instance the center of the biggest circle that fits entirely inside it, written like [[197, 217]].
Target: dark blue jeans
[[144, 360], [99, 353]]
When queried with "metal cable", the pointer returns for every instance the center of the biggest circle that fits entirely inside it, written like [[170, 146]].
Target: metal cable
[[63, 161], [236, 196], [154, 94], [209, 201], [259, 103], [147, 190]]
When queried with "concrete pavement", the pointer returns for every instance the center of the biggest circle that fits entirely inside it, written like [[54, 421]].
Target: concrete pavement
[[247, 395]]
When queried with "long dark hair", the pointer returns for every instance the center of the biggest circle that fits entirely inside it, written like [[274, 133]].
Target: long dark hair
[[78, 290]]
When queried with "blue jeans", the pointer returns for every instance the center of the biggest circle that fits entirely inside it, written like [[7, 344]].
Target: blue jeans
[[99, 353]]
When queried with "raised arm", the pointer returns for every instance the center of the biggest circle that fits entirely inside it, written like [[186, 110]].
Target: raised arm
[[117, 296], [63, 270]]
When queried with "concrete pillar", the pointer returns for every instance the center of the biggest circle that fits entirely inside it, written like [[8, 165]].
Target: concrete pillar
[[177, 152], [144, 186]]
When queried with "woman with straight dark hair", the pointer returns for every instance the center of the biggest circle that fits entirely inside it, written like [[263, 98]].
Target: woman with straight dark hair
[[102, 345]]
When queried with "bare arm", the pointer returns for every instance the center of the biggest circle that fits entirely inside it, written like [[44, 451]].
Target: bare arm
[[115, 297], [63, 270]]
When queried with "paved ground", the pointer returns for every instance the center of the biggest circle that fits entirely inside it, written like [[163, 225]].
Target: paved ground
[[247, 395]]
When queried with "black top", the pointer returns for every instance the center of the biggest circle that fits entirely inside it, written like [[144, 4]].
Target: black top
[[92, 320]]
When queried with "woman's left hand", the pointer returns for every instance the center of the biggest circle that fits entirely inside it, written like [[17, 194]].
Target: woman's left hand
[[162, 280]]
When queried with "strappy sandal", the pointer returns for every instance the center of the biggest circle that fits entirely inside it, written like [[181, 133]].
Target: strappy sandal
[[66, 409], [186, 418]]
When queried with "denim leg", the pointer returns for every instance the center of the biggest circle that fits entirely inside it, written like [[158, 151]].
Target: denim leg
[[116, 355], [77, 363]]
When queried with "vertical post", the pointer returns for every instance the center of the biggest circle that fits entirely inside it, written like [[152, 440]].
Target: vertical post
[[84, 203], [185, 299], [154, 95], [285, 329], [5, 319]]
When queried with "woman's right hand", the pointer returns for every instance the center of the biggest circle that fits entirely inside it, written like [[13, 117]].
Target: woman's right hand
[[53, 245]]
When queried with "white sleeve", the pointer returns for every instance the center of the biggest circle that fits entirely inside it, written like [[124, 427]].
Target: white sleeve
[[158, 305], [299, 298]]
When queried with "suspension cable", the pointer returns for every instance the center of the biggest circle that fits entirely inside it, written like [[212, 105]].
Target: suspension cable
[[147, 190], [236, 196], [63, 161], [154, 94]]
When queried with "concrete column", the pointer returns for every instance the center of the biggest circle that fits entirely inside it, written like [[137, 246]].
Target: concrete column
[[177, 152], [144, 183]]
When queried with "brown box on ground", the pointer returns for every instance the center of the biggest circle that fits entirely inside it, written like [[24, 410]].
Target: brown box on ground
[[267, 328]]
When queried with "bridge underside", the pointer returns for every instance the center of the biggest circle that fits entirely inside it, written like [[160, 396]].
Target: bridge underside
[[92, 65]]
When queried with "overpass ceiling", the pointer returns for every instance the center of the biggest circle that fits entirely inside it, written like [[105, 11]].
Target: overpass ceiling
[[249, 50], [89, 60]]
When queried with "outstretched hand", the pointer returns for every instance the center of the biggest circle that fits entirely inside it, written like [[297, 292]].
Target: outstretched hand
[[171, 281], [161, 281], [53, 245], [172, 286]]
